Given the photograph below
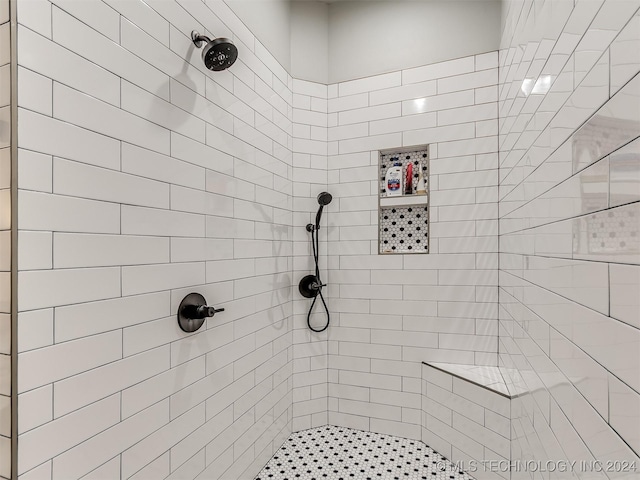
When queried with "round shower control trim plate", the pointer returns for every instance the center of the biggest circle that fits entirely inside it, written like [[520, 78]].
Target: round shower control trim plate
[[308, 286], [190, 324]]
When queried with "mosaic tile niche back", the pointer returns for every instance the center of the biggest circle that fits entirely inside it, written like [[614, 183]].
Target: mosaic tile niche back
[[404, 219]]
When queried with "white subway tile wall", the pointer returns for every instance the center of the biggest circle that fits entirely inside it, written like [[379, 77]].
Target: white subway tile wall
[[390, 313], [535, 142], [5, 242], [144, 177], [569, 225]]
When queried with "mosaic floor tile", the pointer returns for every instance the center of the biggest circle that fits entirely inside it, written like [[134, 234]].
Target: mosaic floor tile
[[339, 453]]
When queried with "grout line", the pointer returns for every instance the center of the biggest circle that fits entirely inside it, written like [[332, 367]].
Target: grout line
[[582, 215], [609, 291]]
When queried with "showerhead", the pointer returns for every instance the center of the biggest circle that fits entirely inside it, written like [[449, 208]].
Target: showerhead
[[218, 54], [324, 198]]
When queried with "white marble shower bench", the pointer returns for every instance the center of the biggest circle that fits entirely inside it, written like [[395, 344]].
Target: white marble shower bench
[[467, 415]]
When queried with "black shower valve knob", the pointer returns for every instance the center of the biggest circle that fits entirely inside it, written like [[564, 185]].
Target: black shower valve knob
[[196, 312], [193, 311]]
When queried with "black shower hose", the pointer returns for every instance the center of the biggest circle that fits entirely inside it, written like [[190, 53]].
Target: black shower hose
[[315, 242]]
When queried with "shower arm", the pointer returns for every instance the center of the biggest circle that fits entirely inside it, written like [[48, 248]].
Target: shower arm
[[198, 39]]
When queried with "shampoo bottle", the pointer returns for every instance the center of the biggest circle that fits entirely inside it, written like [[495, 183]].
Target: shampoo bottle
[[393, 179], [408, 180]]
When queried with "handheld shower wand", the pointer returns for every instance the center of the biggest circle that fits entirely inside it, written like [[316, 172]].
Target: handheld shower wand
[[311, 285], [324, 198]]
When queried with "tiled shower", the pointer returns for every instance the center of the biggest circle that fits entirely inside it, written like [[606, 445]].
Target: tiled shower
[[131, 176]]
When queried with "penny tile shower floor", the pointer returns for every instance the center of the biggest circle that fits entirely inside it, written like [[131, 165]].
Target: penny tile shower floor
[[339, 453]]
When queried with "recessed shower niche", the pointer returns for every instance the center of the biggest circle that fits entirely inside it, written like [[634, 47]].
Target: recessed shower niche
[[403, 205]]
